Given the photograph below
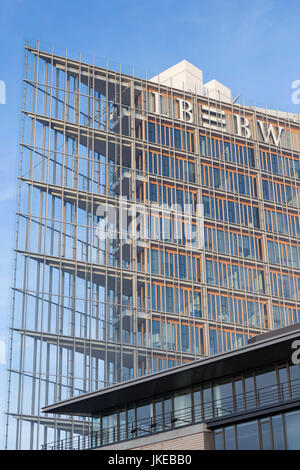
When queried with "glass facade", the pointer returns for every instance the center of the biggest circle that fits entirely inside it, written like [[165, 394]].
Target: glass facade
[[97, 301], [278, 432]]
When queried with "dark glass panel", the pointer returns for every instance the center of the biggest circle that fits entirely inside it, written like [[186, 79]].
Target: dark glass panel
[[250, 392], [239, 396], [223, 399], [207, 402], [182, 408], [229, 433], [143, 417], [266, 386], [277, 428], [284, 391], [292, 430], [247, 436], [295, 380], [218, 435], [197, 405], [266, 434], [168, 418]]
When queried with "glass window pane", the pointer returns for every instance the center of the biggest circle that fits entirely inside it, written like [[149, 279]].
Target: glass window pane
[[109, 428], [167, 411], [96, 431], [250, 392], [292, 429], [266, 385], [247, 436], [284, 386], [239, 396], [277, 428], [218, 434], [182, 408], [157, 425], [223, 399], [143, 416], [197, 405], [207, 402], [266, 434], [229, 438], [295, 380], [131, 423], [122, 425]]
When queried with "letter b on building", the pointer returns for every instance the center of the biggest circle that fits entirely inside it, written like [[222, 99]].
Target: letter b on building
[[2, 92]]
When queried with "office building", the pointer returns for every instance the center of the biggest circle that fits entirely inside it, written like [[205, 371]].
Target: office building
[[157, 223]]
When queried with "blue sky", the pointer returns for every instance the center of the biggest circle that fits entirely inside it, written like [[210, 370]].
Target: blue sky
[[250, 46]]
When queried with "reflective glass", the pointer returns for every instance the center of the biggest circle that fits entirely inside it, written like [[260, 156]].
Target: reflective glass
[[292, 430], [277, 428], [218, 435], [266, 434], [182, 408], [143, 417], [295, 380], [229, 434], [266, 385], [247, 436], [223, 399]]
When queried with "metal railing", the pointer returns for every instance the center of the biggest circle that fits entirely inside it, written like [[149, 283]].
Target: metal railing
[[199, 413]]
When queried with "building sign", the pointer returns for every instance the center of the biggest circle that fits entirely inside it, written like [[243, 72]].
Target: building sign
[[265, 131], [214, 118]]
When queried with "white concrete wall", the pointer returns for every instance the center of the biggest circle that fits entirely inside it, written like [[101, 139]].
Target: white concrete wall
[[184, 76], [217, 91]]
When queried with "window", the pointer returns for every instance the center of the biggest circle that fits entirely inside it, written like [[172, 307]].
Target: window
[[191, 172], [239, 395], [266, 439], [182, 408], [295, 379], [224, 150], [229, 435], [292, 430], [247, 436], [197, 304], [151, 131], [207, 401], [167, 404], [144, 414], [182, 266], [250, 391], [197, 397], [277, 428], [153, 192], [223, 399], [154, 261], [218, 435], [165, 166], [109, 428], [169, 299]]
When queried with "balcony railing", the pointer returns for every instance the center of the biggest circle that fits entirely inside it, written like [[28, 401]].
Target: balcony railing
[[201, 413]]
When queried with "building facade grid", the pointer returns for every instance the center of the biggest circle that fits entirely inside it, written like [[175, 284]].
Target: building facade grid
[[97, 301]]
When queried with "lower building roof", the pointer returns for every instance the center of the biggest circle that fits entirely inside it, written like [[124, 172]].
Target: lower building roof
[[268, 348]]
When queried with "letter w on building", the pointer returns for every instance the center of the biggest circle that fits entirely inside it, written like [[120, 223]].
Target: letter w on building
[[270, 132]]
